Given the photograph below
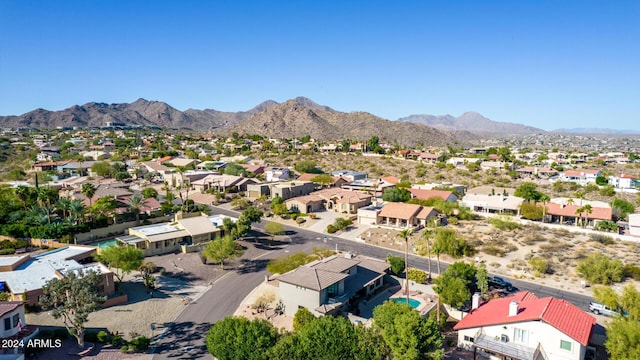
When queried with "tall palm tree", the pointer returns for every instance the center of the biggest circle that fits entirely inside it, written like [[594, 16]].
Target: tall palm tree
[[88, 190], [63, 205], [23, 193], [135, 203], [405, 234], [426, 235], [588, 210], [76, 211]]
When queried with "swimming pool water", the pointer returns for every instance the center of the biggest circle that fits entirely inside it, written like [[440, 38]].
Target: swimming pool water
[[412, 302]]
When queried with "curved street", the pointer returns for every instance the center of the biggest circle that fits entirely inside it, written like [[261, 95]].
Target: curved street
[[185, 339]]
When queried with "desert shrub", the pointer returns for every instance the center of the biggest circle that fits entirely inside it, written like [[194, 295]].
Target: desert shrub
[[494, 250], [139, 344], [117, 341], [417, 275], [102, 336], [7, 251], [598, 268], [331, 229], [531, 211], [300, 220], [453, 220], [504, 224], [397, 264], [602, 239], [632, 271], [124, 348], [539, 265]]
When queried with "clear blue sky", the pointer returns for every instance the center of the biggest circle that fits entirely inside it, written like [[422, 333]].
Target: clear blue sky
[[548, 64]]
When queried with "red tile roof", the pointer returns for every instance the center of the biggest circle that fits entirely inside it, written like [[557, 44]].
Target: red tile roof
[[390, 179], [560, 314], [598, 213], [163, 159], [426, 194], [398, 210], [625, 176], [578, 173]]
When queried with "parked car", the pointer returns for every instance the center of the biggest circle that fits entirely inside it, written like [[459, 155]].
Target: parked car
[[598, 308], [499, 283]]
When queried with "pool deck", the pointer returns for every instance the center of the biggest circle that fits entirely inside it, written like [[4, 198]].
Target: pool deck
[[427, 301]]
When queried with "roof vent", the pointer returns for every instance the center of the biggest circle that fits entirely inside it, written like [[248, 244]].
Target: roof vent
[[513, 308]]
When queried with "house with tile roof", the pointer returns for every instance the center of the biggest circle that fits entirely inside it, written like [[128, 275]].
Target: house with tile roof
[[343, 201], [325, 286], [526, 327], [567, 213], [624, 181], [582, 177], [404, 216], [375, 187], [498, 203]]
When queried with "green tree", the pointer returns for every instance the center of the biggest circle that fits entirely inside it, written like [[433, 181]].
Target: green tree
[[149, 193], [397, 264], [323, 179], [102, 168], [307, 166], [482, 280], [249, 216], [408, 335], [222, 249], [124, 259], [72, 298], [103, 207], [302, 317], [622, 208], [394, 194], [448, 284], [598, 268], [623, 332], [147, 268], [448, 242], [531, 211], [601, 180], [529, 192], [234, 169], [273, 228], [237, 338]]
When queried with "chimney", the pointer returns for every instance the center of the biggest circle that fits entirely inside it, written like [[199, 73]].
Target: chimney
[[513, 308], [475, 301]]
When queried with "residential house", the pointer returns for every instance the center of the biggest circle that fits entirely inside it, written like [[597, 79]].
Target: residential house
[[374, 187], [567, 213], [405, 216], [495, 204], [582, 177], [181, 162], [254, 169], [526, 327], [457, 189], [276, 174], [305, 204], [291, 189], [424, 194], [75, 168], [222, 182], [350, 174], [325, 286], [337, 181], [533, 171], [431, 158], [370, 215], [624, 181], [25, 276], [343, 201], [176, 236], [256, 191], [13, 326]]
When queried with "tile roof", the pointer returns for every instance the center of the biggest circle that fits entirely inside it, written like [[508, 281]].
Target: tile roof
[[310, 278], [344, 196], [398, 210], [8, 306], [390, 179], [560, 314], [426, 194], [598, 213], [425, 212], [334, 263], [305, 199], [580, 173]]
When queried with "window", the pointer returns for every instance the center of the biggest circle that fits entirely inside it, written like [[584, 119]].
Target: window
[[332, 290], [7, 323], [468, 338], [565, 345], [520, 336], [16, 320]]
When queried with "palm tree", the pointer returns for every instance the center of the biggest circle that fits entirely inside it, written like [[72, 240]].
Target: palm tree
[[23, 193], [426, 234], [76, 211], [88, 190], [136, 202], [588, 210], [405, 234], [64, 204]]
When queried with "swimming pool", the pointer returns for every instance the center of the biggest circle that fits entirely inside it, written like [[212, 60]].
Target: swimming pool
[[105, 244], [412, 302]]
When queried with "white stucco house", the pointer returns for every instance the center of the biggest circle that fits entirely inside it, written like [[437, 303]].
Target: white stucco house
[[624, 181], [325, 286], [526, 327]]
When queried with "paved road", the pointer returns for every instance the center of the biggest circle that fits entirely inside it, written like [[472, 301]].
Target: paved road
[[186, 338]]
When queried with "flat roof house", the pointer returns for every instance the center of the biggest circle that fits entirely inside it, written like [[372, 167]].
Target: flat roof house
[[29, 274], [325, 286]]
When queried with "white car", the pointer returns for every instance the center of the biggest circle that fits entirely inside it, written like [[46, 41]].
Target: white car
[[598, 308]]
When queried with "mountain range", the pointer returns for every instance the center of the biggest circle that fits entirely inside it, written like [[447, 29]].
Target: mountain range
[[292, 118]]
